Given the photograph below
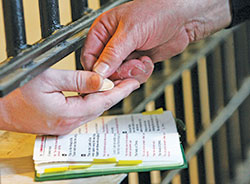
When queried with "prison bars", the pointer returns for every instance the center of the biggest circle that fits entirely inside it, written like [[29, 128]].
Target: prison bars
[[229, 48], [18, 70]]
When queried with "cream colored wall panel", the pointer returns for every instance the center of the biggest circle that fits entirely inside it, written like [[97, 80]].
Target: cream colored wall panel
[[32, 21], [94, 4], [65, 12], [3, 54], [67, 63]]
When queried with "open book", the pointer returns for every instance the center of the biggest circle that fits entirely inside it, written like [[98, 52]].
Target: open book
[[109, 145]]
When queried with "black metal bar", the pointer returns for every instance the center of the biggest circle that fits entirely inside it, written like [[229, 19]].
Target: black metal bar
[[230, 88], [242, 69], [49, 16], [24, 74], [216, 100], [217, 123], [102, 2], [14, 72], [78, 8], [7, 66], [14, 26]]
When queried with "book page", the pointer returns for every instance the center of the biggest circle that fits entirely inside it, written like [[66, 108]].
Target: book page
[[125, 137], [85, 147], [132, 123]]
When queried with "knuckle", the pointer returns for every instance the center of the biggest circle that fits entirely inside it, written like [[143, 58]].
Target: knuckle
[[108, 103], [113, 51], [78, 81]]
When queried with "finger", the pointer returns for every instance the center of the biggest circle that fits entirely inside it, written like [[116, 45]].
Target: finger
[[99, 34], [75, 81], [117, 49], [95, 104], [139, 69]]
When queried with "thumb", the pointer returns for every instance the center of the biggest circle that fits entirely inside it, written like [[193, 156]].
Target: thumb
[[77, 81], [139, 69], [117, 49]]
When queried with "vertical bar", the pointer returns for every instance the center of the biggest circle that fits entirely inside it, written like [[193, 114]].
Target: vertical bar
[[102, 2], [49, 16], [78, 8], [170, 105], [233, 128], [242, 57], [155, 176], [205, 119], [133, 178], [217, 103], [14, 26], [190, 125]]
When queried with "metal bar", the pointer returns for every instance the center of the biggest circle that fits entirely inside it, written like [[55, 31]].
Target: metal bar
[[78, 9], [49, 16], [205, 119], [216, 124], [190, 123], [62, 34], [155, 176], [14, 26], [170, 105], [230, 87], [133, 178], [12, 67], [102, 2], [22, 75], [216, 96], [242, 64]]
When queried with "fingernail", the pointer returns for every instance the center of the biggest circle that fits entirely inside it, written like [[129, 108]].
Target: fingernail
[[137, 71], [94, 83], [101, 68], [107, 85]]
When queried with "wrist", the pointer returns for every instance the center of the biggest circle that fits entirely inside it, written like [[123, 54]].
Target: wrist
[[206, 17], [5, 119], [8, 111]]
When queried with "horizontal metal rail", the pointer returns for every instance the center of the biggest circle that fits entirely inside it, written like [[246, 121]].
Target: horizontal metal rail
[[15, 72], [216, 124]]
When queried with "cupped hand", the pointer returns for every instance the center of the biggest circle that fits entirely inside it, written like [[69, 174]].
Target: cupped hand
[[158, 29], [40, 106]]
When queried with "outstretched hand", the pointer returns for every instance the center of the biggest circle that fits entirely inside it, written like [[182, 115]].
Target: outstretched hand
[[40, 106], [149, 30]]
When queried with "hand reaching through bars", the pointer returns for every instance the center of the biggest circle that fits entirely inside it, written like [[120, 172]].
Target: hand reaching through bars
[[143, 31], [40, 106]]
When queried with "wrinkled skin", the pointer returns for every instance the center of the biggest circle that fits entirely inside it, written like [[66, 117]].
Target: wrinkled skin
[[40, 107], [156, 29]]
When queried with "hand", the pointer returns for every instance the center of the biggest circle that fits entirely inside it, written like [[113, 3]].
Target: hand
[[158, 29], [40, 106]]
